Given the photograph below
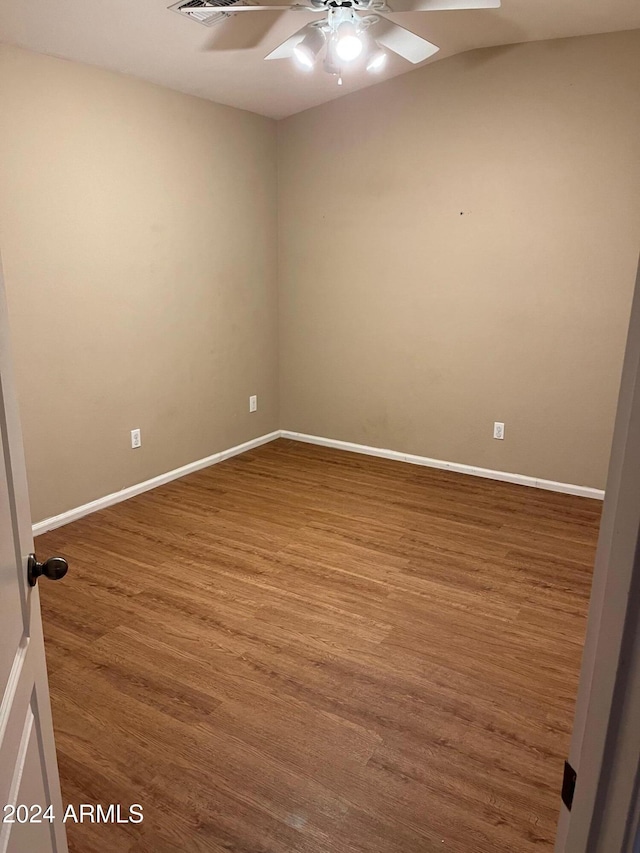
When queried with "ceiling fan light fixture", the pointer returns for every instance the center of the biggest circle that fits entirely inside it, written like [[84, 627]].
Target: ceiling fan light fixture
[[348, 43], [377, 61], [307, 51], [331, 62], [303, 58], [330, 65]]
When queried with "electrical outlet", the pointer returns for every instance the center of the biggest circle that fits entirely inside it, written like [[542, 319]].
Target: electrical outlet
[[253, 403], [136, 438], [498, 430]]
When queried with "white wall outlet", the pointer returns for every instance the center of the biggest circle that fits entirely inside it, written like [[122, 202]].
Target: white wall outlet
[[136, 438], [253, 403], [498, 430]]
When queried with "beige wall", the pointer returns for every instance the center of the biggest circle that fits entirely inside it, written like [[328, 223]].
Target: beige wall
[[138, 234], [458, 246]]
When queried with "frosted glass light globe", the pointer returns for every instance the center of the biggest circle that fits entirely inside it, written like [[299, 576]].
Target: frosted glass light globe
[[349, 44]]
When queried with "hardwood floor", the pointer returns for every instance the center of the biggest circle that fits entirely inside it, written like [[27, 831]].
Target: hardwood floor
[[311, 651]]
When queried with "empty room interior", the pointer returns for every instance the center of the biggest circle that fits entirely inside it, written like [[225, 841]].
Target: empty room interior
[[317, 368]]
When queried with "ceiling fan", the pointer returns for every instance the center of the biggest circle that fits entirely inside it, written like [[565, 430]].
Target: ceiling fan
[[341, 36]]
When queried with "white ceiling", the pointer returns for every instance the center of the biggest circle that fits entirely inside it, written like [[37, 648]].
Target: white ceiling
[[225, 63]]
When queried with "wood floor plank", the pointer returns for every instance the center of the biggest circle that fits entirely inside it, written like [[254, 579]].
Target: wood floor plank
[[306, 650]]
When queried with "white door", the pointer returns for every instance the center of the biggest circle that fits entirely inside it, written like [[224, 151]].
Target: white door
[[28, 768], [604, 816]]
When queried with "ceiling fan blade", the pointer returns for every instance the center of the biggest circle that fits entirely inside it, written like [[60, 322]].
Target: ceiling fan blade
[[285, 50], [405, 43], [440, 5], [231, 10]]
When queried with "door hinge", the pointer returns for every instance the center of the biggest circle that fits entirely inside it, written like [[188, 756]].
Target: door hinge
[[568, 785]]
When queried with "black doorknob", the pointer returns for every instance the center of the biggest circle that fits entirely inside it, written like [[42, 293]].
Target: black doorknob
[[54, 568]]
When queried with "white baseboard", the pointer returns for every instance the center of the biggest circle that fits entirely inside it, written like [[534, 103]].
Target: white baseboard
[[130, 491], [520, 479]]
